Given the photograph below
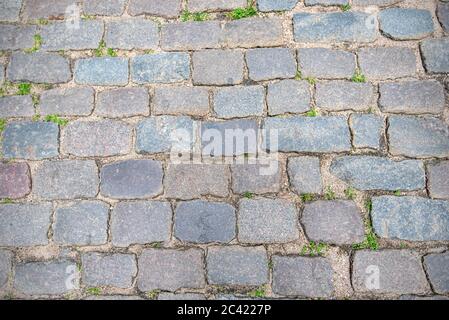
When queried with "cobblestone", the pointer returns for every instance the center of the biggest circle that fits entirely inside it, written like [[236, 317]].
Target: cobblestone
[[217, 67], [239, 101], [16, 106], [326, 63], [181, 100], [434, 55], [123, 102], [160, 68], [437, 266], [57, 36], [439, 180], [132, 34], [77, 101], [15, 181], [288, 96], [344, 95], [270, 63]]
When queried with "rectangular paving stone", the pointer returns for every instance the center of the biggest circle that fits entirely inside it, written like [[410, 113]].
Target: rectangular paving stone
[[276, 5], [270, 63], [2, 73], [237, 266], [16, 37], [326, 63], [140, 222], [104, 7], [74, 101], [437, 266], [406, 24], [161, 8], [114, 270], [302, 276], [102, 138], [288, 96], [133, 33], [345, 95], [46, 9], [267, 221], [176, 100], [255, 178], [380, 3], [16, 106], [123, 102], [434, 54], [168, 270], [397, 272], [215, 5], [411, 218], [218, 67], [39, 68], [418, 137], [24, 225], [66, 179], [326, 2], [180, 296], [30, 140], [160, 68], [387, 63], [103, 71], [5, 266], [9, 10], [367, 130], [239, 101], [191, 35], [83, 223], [304, 174], [438, 180], [443, 15], [15, 180], [413, 97]]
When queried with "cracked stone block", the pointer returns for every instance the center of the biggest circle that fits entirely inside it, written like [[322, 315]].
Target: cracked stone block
[[104, 7], [48, 9], [411, 218], [437, 266], [276, 5], [398, 272], [175, 100], [102, 71], [162, 8], [9, 10], [435, 57], [345, 95], [82, 223], [239, 101], [49, 278], [438, 175], [123, 102], [168, 270], [267, 221], [24, 225], [326, 63], [338, 222], [215, 5], [406, 24], [166, 67], [66, 179], [379, 173], [16, 106], [114, 270], [217, 67], [191, 35], [203, 222], [367, 130], [235, 265], [131, 179], [412, 97], [134, 33], [100, 138], [16, 37], [302, 276], [270, 63], [288, 96], [305, 174], [15, 180], [30, 140], [5, 266], [443, 15], [256, 178], [77, 101], [58, 36], [39, 68], [140, 222], [326, 2], [180, 296]]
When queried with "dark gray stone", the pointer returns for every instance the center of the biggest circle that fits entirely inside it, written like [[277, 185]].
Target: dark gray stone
[[16, 106], [239, 101], [9, 10], [406, 24], [5, 266], [326, 63], [162, 8], [57, 36], [104, 7], [367, 130], [217, 67], [176, 100], [180, 296], [443, 15], [123, 102], [288, 96], [270, 63], [16, 37], [132, 33], [438, 180], [15, 181], [435, 57], [437, 267], [191, 35], [256, 178], [103, 71], [160, 67], [77, 101], [305, 174], [276, 5], [345, 95]]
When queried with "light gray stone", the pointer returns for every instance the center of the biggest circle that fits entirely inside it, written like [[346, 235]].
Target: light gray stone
[[276, 5], [58, 36], [256, 178], [406, 24], [9, 10], [305, 174], [16, 37], [123, 102], [239, 101], [437, 267], [162, 8], [104, 7], [132, 33], [193, 35], [176, 100], [180, 296], [380, 3], [15, 181], [435, 57], [443, 15], [165, 67], [76, 101], [288, 96], [326, 63], [326, 2], [217, 67], [5, 266], [46, 9], [345, 95], [215, 5], [102, 71], [367, 130], [270, 63], [16, 106], [438, 180]]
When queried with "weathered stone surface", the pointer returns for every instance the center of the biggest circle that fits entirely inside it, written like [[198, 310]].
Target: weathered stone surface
[[13, 37], [276, 5], [9, 10], [305, 174], [46, 9], [5, 266], [418, 137], [76, 101], [413, 297], [82, 223], [160, 68], [168, 270], [411, 218], [2, 73], [115, 270], [326, 63], [438, 175], [57, 36], [443, 15], [66, 179], [123, 102], [406, 24], [256, 178], [104, 7], [103, 71], [134, 33], [163, 8], [30, 140], [140, 222], [339, 222], [435, 57], [16, 106], [14, 180], [367, 130], [378, 173], [288, 96], [217, 67], [101, 138], [326, 2], [176, 100], [309, 134], [398, 271], [189, 181], [425, 96], [437, 266], [302, 276], [270, 63], [23, 225], [235, 265], [215, 5], [39, 67], [180, 296], [380, 3], [345, 95], [387, 63], [113, 298], [191, 35], [203, 222], [240, 101], [267, 221], [131, 179]]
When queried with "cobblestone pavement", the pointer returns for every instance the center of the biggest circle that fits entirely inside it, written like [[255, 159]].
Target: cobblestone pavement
[[97, 205]]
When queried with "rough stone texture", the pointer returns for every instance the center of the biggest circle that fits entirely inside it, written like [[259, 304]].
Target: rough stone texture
[[384, 173], [180, 296], [218, 67], [326, 2], [131, 179], [305, 175], [123, 102], [2, 73], [437, 267], [14, 180], [253, 32], [46, 9], [162, 8], [14, 37], [203, 222], [434, 54], [406, 24], [288, 96], [77, 101], [344, 95], [115, 270], [9, 10], [104, 7], [113, 298], [398, 271], [443, 15], [176, 100], [16, 106], [270, 63], [235, 265], [168, 270], [380, 3], [5, 266], [81, 223], [24, 225], [339, 222], [134, 33], [438, 176], [256, 178], [140, 222], [191, 35], [103, 71], [302, 276], [242, 101], [267, 221], [57, 36], [66, 179], [160, 68], [367, 130], [326, 63], [215, 5], [276, 5], [411, 218]]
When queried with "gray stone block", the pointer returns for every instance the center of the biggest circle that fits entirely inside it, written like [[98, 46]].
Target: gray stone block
[[162, 8], [16, 106], [438, 180], [14, 37], [270, 63], [215, 5], [406, 24], [256, 178], [160, 68], [5, 266], [326, 63], [104, 7], [305, 174], [239, 101], [175, 100], [217, 67], [345, 95], [443, 15], [46, 9], [59, 36], [123, 102], [15, 181], [435, 57], [103, 71], [132, 33], [76, 101], [288, 96], [367, 130], [276, 5], [437, 266], [191, 35], [9, 10]]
